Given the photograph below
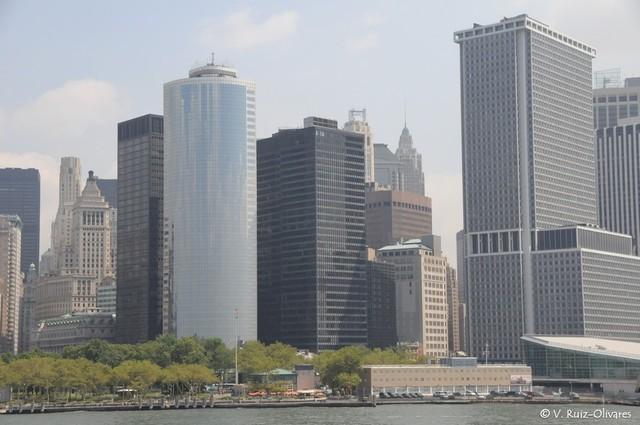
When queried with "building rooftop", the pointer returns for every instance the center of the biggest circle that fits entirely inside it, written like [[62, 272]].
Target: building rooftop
[[521, 22], [600, 346]]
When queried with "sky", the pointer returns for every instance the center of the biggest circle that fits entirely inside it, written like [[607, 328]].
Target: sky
[[72, 69]]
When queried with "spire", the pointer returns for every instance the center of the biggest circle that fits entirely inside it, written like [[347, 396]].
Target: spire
[[405, 113]]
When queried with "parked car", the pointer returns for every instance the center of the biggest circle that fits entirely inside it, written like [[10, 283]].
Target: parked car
[[441, 394], [382, 395]]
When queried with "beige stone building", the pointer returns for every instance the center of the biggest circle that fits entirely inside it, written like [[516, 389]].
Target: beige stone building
[[52, 335], [427, 379], [392, 216], [10, 282], [59, 295], [421, 296]]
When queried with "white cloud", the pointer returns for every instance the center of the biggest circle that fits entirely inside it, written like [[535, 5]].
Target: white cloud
[[240, 30], [78, 118], [372, 20], [365, 41], [48, 167], [445, 191]]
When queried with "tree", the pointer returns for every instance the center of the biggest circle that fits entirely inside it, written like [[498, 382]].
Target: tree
[[254, 358], [347, 381], [332, 363], [188, 350], [219, 357], [139, 375]]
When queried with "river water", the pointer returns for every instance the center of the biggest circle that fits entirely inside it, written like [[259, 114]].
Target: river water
[[473, 414]]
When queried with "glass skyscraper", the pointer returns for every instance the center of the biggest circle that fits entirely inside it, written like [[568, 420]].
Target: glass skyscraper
[[140, 229], [210, 203], [311, 237], [20, 195], [528, 163]]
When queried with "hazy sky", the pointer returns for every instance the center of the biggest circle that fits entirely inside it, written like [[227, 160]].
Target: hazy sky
[[71, 69]]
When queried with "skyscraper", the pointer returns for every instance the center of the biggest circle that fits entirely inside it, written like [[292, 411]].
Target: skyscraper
[[612, 103], [393, 215], [27, 310], [69, 189], [412, 161], [381, 303], [210, 203], [528, 162], [20, 195], [140, 228], [10, 282], [618, 151], [311, 238], [358, 124]]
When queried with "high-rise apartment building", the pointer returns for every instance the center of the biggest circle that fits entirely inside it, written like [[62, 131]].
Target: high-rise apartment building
[[20, 195], [311, 238], [10, 282], [528, 163], [614, 103], [210, 203], [358, 124], [140, 228], [392, 216], [618, 152], [421, 296]]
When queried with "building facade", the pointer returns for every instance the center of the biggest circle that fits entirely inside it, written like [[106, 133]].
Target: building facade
[[529, 111], [65, 294], [140, 228], [210, 203], [611, 104], [358, 124], [10, 282], [311, 238], [618, 153], [392, 216], [20, 195], [454, 377], [381, 304], [421, 296], [412, 161], [106, 295], [27, 310], [453, 311], [52, 335]]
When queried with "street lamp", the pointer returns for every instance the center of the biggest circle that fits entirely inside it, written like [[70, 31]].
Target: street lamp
[[235, 313]]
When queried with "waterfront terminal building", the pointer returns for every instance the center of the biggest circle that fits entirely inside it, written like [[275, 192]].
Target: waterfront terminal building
[[594, 364], [455, 374]]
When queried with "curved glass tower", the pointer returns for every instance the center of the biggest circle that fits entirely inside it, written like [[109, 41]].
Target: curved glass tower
[[210, 204]]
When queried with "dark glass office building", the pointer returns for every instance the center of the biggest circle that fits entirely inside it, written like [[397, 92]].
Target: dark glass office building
[[312, 287], [381, 304], [20, 195], [140, 203], [109, 189]]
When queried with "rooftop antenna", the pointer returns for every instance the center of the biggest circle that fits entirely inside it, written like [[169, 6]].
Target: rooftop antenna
[[405, 113], [213, 62]]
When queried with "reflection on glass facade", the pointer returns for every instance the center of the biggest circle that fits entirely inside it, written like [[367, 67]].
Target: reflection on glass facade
[[548, 362], [210, 203]]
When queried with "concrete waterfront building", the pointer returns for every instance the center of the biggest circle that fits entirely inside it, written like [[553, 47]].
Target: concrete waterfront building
[[392, 216], [210, 203], [27, 310], [618, 152], [458, 374], [140, 228], [311, 238], [421, 296], [20, 195], [616, 102], [69, 189], [528, 163], [10, 282], [52, 335], [358, 124], [381, 303]]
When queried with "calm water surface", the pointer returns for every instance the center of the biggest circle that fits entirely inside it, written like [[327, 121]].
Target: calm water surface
[[490, 414]]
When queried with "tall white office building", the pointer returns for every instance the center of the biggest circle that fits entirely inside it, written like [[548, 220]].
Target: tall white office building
[[358, 124], [210, 204], [10, 282], [528, 163], [69, 189]]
